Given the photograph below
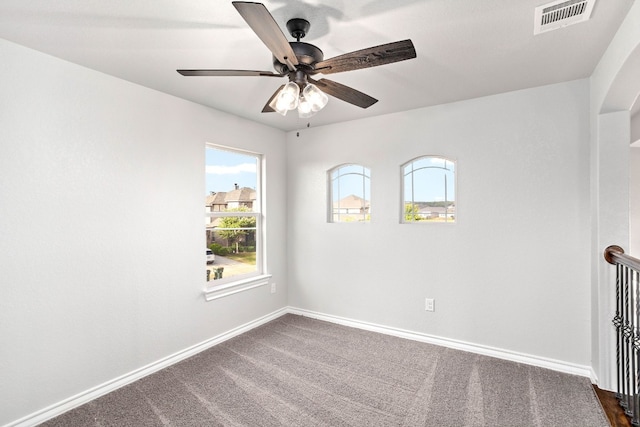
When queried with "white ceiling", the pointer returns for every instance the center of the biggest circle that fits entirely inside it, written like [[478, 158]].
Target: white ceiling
[[465, 48]]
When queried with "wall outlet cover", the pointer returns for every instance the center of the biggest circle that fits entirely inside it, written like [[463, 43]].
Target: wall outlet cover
[[429, 304]]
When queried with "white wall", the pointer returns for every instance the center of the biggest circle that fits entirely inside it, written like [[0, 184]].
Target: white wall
[[634, 187], [635, 127], [101, 225], [513, 273], [614, 85], [634, 201]]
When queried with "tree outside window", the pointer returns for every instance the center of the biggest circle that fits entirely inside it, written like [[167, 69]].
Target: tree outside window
[[237, 230]]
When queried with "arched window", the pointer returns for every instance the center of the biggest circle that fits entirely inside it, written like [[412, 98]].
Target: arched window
[[349, 193], [429, 190]]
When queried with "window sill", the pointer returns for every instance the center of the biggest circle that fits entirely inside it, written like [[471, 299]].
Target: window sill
[[428, 222], [221, 291]]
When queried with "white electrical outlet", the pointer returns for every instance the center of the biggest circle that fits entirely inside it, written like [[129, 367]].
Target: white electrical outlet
[[273, 288], [429, 304]]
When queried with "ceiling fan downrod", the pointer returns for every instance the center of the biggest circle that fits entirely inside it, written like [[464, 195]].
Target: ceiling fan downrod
[[298, 28]]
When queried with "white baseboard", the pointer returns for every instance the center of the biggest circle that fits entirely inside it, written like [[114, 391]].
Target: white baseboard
[[102, 389], [527, 359]]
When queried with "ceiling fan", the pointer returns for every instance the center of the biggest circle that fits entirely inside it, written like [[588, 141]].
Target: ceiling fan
[[299, 61]]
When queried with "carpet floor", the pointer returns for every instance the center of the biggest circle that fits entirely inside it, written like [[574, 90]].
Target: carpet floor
[[297, 371]]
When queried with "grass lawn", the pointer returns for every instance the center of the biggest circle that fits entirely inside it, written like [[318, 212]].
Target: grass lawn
[[244, 257]]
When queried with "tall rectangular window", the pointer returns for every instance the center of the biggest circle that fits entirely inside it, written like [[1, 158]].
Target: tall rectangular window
[[233, 215]]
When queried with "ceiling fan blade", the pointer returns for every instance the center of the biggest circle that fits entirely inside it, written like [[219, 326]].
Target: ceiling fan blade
[[228, 73], [267, 108], [365, 58], [263, 24], [344, 93]]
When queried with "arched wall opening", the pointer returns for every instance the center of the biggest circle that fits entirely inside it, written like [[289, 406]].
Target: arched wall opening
[[615, 85]]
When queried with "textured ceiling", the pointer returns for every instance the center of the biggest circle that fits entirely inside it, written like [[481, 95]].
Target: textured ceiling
[[465, 48]]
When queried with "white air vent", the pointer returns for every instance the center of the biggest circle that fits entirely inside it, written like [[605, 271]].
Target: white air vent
[[561, 13]]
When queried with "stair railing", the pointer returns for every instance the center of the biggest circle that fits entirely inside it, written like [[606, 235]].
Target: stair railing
[[627, 324]]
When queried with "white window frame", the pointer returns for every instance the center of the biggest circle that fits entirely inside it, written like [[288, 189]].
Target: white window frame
[[403, 197], [330, 181], [231, 285]]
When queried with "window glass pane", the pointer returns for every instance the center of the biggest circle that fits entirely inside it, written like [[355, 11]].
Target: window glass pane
[[352, 169], [231, 181], [350, 194], [232, 241], [429, 190]]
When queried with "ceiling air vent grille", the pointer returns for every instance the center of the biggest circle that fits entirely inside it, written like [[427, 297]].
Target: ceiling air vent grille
[[561, 13]]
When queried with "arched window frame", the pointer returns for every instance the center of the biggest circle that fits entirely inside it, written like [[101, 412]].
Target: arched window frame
[[449, 215], [334, 213]]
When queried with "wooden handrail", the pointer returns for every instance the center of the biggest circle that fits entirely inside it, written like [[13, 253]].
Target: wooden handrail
[[615, 255]]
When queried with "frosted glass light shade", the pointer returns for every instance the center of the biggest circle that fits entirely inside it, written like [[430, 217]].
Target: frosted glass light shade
[[274, 104], [304, 108], [315, 97], [288, 97]]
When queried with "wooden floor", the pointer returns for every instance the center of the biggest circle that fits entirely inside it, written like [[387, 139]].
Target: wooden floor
[[614, 411]]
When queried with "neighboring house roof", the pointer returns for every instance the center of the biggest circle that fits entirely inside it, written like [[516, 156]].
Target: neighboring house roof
[[215, 199], [242, 195], [352, 201]]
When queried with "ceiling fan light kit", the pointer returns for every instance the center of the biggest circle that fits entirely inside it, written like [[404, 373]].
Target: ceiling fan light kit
[[299, 61], [308, 101]]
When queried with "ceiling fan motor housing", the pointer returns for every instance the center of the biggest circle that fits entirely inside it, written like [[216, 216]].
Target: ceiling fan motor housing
[[308, 55]]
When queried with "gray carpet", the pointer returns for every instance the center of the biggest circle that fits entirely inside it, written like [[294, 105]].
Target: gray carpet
[[296, 371]]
